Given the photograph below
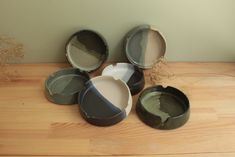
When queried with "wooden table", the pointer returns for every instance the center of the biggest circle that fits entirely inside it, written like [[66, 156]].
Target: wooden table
[[30, 125]]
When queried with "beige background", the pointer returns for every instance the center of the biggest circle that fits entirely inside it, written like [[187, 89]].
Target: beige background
[[195, 30]]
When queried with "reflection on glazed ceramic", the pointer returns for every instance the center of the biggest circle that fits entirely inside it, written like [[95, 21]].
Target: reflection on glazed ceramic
[[86, 50]]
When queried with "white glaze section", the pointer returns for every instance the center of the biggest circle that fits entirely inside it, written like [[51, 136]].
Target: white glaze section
[[122, 71], [115, 91]]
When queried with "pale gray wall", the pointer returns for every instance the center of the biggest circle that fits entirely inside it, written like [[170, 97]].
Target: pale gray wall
[[195, 30]]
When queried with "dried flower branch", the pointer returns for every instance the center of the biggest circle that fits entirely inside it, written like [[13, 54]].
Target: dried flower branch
[[10, 52], [160, 72]]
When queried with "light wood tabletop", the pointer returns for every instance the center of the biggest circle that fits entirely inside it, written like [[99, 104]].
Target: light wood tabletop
[[31, 125]]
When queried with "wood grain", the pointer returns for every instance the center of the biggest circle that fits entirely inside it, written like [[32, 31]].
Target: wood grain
[[30, 125]]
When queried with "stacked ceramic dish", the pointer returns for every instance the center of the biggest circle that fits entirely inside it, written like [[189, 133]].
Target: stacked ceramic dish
[[107, 99]]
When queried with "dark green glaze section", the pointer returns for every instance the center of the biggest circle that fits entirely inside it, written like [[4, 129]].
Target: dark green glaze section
[[152, 102], [137, 46], [148, 118], [87, 50], [136, 43], [96, 109], [96, 105], [92, 42], [136, 82]]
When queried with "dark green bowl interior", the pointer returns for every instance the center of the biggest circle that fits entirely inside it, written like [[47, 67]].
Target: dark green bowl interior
[[87, 50]]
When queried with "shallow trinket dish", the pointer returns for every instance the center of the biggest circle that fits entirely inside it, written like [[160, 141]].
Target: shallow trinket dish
[[105, 101], [87, 50], [63, 86], [144, 46], [163, 108]]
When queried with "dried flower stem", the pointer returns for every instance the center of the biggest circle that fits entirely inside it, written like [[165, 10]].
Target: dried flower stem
[[10, 52], [160, 72]]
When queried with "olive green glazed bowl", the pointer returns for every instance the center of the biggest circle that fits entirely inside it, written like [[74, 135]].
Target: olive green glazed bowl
[[63, 86], [163, 108]]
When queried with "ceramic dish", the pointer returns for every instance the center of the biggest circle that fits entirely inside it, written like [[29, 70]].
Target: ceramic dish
[[129, 73], [63, 86], [163, 108], [87, 50], [144, 46], [105, 101]]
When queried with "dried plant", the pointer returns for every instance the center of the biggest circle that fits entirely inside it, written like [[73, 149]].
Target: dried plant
[[10, 52], [160, 72]]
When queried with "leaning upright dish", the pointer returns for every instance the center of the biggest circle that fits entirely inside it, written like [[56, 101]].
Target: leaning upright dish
[[87, 50], [144, 46]]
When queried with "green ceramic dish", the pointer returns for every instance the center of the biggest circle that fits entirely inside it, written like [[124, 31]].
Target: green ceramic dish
[[63, 86], [144, 46], [86, 50], [163, 108]]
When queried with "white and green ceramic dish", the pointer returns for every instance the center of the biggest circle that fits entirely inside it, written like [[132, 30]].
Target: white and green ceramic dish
[[105, 101], [87, 50], [144, 46]]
